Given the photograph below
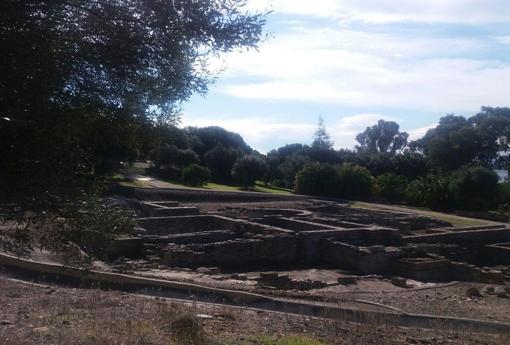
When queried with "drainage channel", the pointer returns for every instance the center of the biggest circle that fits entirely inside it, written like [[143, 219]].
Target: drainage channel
[[28, 270]]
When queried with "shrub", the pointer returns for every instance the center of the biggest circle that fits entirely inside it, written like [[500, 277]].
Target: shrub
[[220, 161], [195, 175], [187, 157], [248, 169], [170, 155], [390, 187], [289, 169], [433, 191], [504, 194], [475, 188], [164, 155], [318, 179], [188, 330], [356, 181]]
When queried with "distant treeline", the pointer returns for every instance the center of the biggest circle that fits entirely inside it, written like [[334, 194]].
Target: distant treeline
[[451, 167]]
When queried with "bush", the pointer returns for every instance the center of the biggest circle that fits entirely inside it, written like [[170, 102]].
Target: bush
[[318, 179], [248, 169], [195, 175], [475, 188], [187, 157], [170, 155], [164, 155], [290, 168], [220, 161], [433, 191], [187, 329], [390, 187], [356, 181]]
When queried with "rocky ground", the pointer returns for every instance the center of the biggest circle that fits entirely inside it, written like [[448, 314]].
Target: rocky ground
[[51, 314], [455, 299]]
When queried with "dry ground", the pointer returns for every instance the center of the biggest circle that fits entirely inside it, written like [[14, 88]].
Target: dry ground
[[56, 315]]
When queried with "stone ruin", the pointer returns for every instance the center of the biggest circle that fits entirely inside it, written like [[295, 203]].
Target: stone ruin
[[358, 240]]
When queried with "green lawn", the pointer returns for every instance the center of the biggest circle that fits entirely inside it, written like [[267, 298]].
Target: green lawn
[[457, 221], [135, 184], [259, 187]]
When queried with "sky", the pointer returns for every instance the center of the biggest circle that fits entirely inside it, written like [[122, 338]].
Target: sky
[[354, 62]]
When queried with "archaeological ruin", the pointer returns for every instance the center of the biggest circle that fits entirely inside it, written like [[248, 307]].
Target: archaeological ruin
[[315, 234]]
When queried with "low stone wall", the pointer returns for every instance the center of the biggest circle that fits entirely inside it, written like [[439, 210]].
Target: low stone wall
[[186, 224], [191, 224], [337, 223], [473, 236], [196, 237], [292, 224], [243, 212], [462, 271], [174, 211], [362, 259], [269, 249], [426, 269], [499, 253], [129, 247]]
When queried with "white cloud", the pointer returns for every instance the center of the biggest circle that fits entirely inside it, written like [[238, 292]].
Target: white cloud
[[503, 39], [259, 132], [420, 132], [353, 68], [394, 11], [365, 68]]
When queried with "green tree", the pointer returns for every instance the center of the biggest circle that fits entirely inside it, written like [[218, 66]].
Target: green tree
[[195, 175], [249, 169], [479, 140], [390, 187], [214, 135], [475, 188], [319, 180], [434, 191], [453, 143], [187, 157], [220, 160], [321, 138], [356, 181], [81, 77], [385, 136]]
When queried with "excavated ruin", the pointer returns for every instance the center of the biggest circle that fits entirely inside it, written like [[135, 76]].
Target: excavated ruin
[[328, 234]]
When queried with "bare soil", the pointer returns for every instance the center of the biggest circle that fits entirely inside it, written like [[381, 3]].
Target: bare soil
[[52, 314]]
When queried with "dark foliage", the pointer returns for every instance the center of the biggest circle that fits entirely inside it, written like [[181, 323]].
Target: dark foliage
[[195, 175], [319, 180], [220, 161], [390, 187], [84, 85], [356, 181], [475, 188], [210, 137], [345, 181], [249, 169], [382, 137]]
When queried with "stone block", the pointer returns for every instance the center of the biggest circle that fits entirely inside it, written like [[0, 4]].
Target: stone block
[[347, 280], [400, 282]]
